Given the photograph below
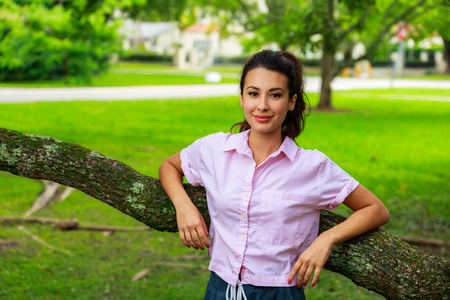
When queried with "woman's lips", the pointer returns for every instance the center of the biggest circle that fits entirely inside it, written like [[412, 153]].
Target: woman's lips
[[262, 119]]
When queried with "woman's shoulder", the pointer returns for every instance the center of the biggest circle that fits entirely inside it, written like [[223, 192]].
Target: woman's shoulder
[[214, 139], [312, 155]]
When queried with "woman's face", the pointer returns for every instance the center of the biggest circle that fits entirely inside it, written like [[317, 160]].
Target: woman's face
[[265, 100]]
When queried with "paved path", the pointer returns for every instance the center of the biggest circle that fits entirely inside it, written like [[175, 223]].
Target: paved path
[[25, 95]]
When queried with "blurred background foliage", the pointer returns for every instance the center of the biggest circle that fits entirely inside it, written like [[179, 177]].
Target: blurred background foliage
[[55, 39], [75, 39]]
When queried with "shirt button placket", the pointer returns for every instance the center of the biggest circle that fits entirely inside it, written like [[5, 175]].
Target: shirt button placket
[[243, 228]]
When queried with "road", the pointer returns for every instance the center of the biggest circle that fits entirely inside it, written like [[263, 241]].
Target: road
[[27, 95]]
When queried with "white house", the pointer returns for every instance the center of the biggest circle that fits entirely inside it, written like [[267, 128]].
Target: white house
[[158, 37], [195, 46], [199, 44]]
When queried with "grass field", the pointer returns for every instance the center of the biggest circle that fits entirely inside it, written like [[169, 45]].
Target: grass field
[[126, 74], [398, 149]]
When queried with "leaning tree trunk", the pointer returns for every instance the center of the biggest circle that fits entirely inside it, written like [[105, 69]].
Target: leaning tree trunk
[[376, 260]]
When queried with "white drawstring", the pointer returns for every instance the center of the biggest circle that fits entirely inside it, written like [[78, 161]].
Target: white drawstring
[[236, 295]]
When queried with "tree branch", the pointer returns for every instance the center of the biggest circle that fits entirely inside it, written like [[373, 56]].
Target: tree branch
[[376, 260], [380, 35], [358, 23], [396, 19]]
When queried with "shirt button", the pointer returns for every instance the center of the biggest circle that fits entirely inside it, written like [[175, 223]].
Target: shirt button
[[239, 260], [246, 195], [242, 238], [244, 216]]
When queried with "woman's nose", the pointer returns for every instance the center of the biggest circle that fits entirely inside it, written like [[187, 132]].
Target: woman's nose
[[262, 105]]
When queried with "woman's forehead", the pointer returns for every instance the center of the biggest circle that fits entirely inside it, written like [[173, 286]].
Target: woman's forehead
[[263, 78]]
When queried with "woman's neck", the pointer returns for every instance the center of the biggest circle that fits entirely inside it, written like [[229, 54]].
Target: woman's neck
[[263, 145]]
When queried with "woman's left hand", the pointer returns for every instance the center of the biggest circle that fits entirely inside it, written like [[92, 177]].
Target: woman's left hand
[[312, 259]]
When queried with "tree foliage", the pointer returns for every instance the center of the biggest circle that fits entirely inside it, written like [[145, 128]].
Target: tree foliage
[[432, 23], [48, 39], [157, 10], [326, 26]]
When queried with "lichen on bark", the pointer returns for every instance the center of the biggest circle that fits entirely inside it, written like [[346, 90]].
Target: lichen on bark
[[376, 260]]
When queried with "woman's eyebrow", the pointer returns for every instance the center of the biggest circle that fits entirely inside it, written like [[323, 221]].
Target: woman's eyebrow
[[276, 88], [272, 89]]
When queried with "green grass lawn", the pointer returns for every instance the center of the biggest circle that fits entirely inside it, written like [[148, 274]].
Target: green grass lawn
[[127, 74], [397, 149]]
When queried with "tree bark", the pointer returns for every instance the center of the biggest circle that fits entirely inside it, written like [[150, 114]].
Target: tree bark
[[376, 260], [447, 55], [328, 66], [328, 61]]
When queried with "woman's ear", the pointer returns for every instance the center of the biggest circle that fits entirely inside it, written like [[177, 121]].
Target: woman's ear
[[292, 102], [242, 101]]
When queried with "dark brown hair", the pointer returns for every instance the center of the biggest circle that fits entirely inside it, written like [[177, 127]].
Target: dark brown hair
[[285, 63]]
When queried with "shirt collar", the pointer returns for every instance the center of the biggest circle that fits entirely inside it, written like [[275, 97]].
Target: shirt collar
[[239, 142]]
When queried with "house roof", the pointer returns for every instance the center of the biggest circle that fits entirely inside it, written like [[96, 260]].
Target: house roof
[[204, 28], [146, 30]]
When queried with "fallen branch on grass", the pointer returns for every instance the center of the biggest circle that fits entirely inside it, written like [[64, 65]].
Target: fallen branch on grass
[[42, 242], [72, 224], [423, 241], [52, 192], [203, 267]]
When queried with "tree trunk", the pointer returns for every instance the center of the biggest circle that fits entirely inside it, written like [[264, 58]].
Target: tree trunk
[[447, 55], [376, 260], [328, 61], [328, 65]]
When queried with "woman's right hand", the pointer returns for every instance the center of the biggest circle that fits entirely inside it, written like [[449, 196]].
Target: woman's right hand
[[192, 227]]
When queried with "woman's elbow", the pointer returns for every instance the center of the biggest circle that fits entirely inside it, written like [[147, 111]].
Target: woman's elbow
[[384, 215], [162, 166]]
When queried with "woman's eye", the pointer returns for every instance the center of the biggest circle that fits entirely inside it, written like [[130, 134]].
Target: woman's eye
[[275, 95], [253, 94]]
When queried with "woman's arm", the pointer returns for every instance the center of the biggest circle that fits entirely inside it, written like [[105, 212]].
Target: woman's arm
[[191, 226], [369, 213]]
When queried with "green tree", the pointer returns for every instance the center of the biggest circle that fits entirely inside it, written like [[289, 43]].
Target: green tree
[[47, 39], [338, 24], [432, 22], [158, 10]]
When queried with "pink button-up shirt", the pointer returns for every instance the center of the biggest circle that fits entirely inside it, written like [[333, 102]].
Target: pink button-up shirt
[[262, 217]]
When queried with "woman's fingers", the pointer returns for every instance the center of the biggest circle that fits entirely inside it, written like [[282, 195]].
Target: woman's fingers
[[182, 238], [189, 241], [294, 271], [307, 276], [316, 276], [196, 240], [192, 228], [203, 238], [304, 270], [301, 274]]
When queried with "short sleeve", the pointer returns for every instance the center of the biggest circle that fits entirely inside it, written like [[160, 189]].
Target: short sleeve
[[334, 184], [191, 162]]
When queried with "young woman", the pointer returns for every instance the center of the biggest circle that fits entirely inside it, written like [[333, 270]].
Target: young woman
[[265, 193]]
